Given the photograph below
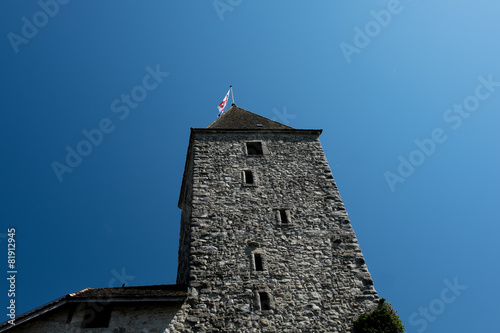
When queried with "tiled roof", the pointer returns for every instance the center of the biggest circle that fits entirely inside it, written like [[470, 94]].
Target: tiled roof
[[156, 291], [238, 118]]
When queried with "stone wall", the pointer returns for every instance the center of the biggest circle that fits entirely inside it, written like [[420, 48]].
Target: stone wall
[[313, 270]]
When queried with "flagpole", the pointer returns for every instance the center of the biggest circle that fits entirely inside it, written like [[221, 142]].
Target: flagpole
[[232, 94]]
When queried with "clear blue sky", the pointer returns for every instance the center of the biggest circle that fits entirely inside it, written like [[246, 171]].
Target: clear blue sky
[[408, 85]]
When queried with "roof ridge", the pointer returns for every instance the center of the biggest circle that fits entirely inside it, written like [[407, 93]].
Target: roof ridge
[[239, 118], [79, 292]]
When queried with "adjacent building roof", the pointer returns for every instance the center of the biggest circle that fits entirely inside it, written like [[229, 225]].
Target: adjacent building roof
[[140, 292], [154, 293], [238, 118]]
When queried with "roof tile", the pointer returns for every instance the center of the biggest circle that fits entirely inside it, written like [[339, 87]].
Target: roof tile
[[238, 118]]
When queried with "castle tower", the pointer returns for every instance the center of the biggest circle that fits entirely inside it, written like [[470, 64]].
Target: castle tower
[[265, 244]]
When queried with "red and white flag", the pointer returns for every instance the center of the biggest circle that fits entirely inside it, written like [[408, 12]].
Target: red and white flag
[[222, 104]]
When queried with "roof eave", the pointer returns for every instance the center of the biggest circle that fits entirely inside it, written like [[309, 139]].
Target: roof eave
[[257, 131], [130, 299]]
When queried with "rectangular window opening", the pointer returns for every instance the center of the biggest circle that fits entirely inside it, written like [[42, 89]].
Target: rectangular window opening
[[265, 301], [96, 316], [249, 177], [258, 262], [254, 148]]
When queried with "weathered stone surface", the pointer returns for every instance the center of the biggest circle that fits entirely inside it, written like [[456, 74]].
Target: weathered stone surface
[[313, 271]]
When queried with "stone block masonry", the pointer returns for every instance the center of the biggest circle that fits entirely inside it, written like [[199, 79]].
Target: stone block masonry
[[312, 276]]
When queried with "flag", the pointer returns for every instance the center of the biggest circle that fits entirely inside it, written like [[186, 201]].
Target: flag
[[222, 104]]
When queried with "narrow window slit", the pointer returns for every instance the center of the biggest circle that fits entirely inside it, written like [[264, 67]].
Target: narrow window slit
[[265, 301], [248, 177], [258, 262], [283, 216]]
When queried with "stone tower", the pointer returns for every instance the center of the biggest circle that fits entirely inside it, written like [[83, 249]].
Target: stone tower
[[265, 243]]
